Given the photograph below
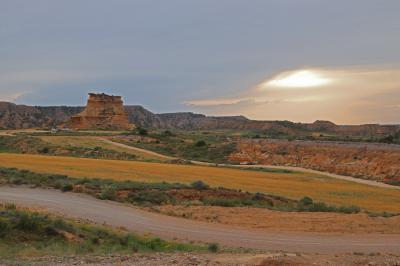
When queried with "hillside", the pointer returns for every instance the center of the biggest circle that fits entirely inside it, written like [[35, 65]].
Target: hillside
[[14, 116]]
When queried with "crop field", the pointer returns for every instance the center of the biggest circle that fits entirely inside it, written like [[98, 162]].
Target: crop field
[[294, 185], [92, 142]]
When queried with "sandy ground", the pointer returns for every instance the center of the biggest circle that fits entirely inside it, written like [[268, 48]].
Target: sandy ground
[[286, 221], [223, 259]]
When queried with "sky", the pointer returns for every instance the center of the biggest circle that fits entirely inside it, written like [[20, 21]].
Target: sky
[[298, 60]]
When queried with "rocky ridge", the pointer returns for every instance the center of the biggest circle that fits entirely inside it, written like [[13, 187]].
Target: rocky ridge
[[14, 116]]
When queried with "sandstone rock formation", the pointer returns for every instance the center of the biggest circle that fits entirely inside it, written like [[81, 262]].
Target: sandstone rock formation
[[102, 112]]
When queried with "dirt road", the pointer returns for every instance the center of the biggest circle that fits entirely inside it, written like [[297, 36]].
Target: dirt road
[[292, 168], [151, 153], [117, 215]]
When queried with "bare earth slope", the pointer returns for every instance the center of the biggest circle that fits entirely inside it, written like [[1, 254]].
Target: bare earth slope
[[115, 214], [380, 162]]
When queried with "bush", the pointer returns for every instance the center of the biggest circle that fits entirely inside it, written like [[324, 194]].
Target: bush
[[350, 209], [200, 143], [4, 227], [27, 222], [108, 193], [223, 202], [44, 150], [306, 201], [154, 197], [213, 247], [62, 225], [66, 187], [142, 131], [200, 185], [168, 133]]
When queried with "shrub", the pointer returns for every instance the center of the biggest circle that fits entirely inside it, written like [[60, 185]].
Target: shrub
[[108, 193], [306, 201], [66, 187], [200, 143], [154, 197], [213, 247], [258, 196], [142, 131], [350, 209], [62, 225], [223, 202], [27, 222], [4, 227], [200, 185], [44, 150], [168, 133]]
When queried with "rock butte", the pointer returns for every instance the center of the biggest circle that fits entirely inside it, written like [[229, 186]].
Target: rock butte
[[102, 112]]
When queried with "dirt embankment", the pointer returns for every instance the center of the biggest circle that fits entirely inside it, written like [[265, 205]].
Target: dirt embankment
[[379, 162], [279, 221]]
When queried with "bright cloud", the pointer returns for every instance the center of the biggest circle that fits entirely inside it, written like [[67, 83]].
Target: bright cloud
[[297, 79], [343, 95]]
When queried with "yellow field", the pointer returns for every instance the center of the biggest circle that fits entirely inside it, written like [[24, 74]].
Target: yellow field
[[294, 185], [91, 142]]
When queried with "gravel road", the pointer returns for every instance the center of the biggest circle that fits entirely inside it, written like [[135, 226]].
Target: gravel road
[[119, 215]]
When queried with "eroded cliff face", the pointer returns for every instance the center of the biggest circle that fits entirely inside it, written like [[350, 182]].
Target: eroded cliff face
[[101, 112], [379, 162]]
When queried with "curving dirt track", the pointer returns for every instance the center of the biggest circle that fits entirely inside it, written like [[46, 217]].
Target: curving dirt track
[[119, 215]]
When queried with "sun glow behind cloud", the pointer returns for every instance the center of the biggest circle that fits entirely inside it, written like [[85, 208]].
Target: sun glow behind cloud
[[343, 95], [297, 79]]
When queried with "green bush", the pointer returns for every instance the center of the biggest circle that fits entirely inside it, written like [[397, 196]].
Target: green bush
[[200, 143], [200, 185], [4, 227], [142, 131], [223, 202], [66, 187], [27, 222], [306, 201], [108, 193], [154, 197], [213, 247]]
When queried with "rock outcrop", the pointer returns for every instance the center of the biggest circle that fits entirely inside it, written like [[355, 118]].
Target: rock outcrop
[[102, 112]]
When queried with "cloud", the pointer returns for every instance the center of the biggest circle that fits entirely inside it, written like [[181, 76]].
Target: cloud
[[343, 95], [216, 102], [12, 96]]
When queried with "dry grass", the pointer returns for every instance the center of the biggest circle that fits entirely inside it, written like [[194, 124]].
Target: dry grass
[[294, 185], [92, 142]]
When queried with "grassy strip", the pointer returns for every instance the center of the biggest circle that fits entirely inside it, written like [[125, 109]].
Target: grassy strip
[[150, 194], [26, 233], [32, 145]]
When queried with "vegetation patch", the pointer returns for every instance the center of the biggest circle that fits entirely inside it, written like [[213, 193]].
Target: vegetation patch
[[34, 145], [152, 194], [27, 233]]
